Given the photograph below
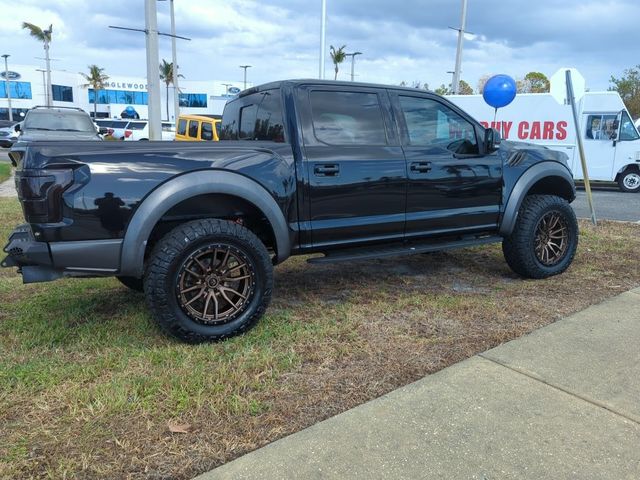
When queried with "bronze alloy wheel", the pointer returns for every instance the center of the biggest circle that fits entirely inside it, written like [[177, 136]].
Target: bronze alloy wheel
[[215, 284], [551, 238]]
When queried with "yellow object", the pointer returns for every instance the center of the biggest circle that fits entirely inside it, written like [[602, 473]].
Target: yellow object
[[197, 128]]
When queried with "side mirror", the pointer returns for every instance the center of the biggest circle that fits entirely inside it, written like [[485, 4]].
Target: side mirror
[[491, 140], [17, 127]]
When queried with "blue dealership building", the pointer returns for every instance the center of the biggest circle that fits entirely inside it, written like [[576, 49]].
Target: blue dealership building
[[27, 88]]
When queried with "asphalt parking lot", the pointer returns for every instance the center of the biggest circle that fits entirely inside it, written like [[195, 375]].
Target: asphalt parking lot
[[610, 203]]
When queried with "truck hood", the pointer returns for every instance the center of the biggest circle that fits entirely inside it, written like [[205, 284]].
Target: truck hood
[[56, 135]]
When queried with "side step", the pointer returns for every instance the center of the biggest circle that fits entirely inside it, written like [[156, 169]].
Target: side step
[[367, 253]]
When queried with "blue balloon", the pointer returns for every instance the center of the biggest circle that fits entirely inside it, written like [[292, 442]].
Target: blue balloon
[[499, 91], [130, 109]]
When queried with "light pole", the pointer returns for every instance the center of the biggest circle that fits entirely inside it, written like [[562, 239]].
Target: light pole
[[153, 66], [174, 62], [245, 74], [353, 61], [44, 85], [226, 88], [7, 85], [455, 83], [323, 37]]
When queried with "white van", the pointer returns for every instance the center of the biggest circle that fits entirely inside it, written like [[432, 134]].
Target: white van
[[611, 141]]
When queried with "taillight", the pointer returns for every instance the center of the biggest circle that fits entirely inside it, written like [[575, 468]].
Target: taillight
[[127, 133], [40, 192]]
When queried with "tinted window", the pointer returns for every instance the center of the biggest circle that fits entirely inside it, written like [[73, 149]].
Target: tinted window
[[62, 93], [342, 118], [136, 125], [58, 121], [18, 89], [206, 131], [431, 123], [125, 97], [193, 100], [254, 117], [193, 128], [182, 127]]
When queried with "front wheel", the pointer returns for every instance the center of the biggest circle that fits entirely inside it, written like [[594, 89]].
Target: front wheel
[[208, 280], [544, 239], [629, 181]]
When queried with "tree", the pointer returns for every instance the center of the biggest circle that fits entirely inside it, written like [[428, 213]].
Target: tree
[[464, 88], [482, 82], [337, 57], [628, 86], [45, 37], [443, 90], [96, 79], [166, 75], [537, 82]]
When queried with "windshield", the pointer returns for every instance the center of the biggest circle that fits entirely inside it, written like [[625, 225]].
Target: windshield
[[59, 121], [627, 129]]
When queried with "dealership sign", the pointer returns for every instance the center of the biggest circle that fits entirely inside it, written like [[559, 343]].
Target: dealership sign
[[9, 75], [233, 90], [129, 85]]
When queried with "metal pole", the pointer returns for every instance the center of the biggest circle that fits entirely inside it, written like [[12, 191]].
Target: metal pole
[[455, 84], [153, 67], [48, 68], [323, 37], [583, 160], [7, 85], [174, 61], [353, 58], [245, 74], [44, 83]]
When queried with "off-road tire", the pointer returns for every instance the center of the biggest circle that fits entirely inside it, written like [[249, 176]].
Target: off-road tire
[[629, 181], [133, 283], [165, 273], [519, 248]]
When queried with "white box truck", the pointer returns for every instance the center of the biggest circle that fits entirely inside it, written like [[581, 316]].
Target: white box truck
[[611, 141]]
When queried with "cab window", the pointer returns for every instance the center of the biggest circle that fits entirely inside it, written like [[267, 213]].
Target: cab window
[[601, 127], [182, 127], [433, 124], [347, 118], [206, 132], [627, 128], [193, 128]]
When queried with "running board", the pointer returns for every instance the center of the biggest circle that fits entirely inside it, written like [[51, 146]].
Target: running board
[[367, 253]]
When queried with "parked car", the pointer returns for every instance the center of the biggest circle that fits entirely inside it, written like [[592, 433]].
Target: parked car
[[194, 128], [8, 135], [116, 127], [139, 130], [349, 170], [56, 123]]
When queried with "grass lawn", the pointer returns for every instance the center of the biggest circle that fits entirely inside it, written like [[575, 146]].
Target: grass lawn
[[89, 388], [5, 171]]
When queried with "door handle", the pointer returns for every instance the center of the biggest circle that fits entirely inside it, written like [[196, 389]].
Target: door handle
[[421, 167], [326, 170]]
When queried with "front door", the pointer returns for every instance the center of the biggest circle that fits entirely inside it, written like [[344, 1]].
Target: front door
[[355, 166], [451, 187]]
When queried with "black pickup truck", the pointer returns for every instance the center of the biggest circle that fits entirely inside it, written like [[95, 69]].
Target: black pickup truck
[[353, 171]]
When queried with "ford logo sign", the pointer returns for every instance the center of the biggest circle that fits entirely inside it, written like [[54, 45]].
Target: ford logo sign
[[9, 75], [233, 90]]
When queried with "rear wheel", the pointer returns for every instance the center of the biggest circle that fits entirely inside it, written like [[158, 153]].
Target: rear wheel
[[544, 239], [629, 181], [208, 280]]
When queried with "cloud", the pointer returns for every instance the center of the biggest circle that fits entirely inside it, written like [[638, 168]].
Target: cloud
[[408, 40]]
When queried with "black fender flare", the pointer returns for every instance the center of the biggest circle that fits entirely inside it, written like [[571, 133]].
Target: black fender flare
[[527, 180], [190, 185]]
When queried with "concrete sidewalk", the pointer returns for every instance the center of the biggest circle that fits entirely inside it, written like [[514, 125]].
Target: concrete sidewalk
[[562, 402]]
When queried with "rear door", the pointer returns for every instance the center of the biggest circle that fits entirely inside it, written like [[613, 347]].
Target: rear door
[[452, 187], [354, 165]]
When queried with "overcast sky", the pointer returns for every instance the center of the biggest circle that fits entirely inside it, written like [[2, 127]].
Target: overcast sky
[[400, 40]]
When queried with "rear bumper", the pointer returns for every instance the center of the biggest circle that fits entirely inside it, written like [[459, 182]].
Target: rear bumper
[[44, 262]]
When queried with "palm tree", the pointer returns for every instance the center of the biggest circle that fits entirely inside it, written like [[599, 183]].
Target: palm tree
[[45, 37], [337, 56], [96, 79], [166, 75]]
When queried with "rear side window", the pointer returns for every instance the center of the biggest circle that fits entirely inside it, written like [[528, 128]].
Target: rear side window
[[182, 127], [193, 128], [254, 117], [136, 125], [206, 131], [347, 118]]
